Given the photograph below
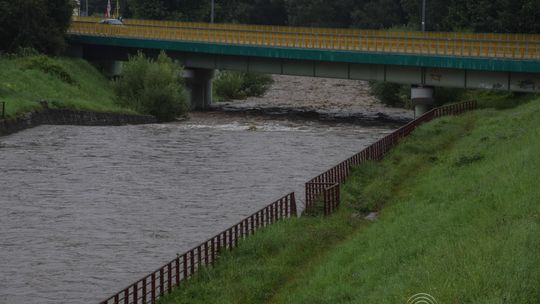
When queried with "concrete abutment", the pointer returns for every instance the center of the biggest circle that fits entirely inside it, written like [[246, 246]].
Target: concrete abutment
[[422, 99], [199, 82]]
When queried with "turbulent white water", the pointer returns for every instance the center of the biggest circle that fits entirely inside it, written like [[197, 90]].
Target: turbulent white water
[[85, 211]]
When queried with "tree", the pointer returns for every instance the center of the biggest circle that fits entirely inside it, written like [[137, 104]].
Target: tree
[[152, 87], [323, 13], [38, 24], [379, 14]]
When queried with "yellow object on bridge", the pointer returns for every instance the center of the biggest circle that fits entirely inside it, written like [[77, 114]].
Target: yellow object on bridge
[[486, 45]]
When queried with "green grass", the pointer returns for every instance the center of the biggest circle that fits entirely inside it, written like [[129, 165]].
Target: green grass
[[459, 218], [67, 83]]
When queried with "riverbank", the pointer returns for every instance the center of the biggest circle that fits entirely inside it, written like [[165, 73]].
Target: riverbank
[[76, 93], [67, 83], [456, 202], [48, 116], [324, 99]]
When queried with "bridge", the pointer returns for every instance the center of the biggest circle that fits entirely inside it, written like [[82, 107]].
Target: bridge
[[423, 59]]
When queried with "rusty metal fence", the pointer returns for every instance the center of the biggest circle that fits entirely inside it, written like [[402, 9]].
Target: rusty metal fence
[[325, 187], [177, 271]]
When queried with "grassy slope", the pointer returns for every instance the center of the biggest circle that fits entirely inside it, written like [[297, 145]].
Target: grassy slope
[[21, 86], [461, 221]]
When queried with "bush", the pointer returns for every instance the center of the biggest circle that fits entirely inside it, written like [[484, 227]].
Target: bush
[[390, 94], [447, 95], [228, 85], [238, 85], [256, 84], [152, 87], [398, 95]]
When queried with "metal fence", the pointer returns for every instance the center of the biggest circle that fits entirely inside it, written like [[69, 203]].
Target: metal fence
[[518, 46], [323, 187], [177, 271]]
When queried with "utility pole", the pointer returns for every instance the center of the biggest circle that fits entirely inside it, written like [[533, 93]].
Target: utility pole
[[423, 15], [212, 12]]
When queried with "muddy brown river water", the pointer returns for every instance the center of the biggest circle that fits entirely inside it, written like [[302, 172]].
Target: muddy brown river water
[[85, 211]]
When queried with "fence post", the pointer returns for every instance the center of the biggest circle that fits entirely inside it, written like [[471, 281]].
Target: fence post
[[293, 205], [3, 109], [144, 290]]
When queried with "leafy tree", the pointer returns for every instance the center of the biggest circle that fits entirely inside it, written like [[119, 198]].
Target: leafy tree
[[186, 10], [38, 24], [152, 87], [379, 14], [326, 13]]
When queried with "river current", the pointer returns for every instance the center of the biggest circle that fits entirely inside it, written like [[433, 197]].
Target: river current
[[85, 211]]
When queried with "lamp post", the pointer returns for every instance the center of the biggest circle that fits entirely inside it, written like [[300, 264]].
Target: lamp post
[[212, 12], [423, 15], [86, 8]]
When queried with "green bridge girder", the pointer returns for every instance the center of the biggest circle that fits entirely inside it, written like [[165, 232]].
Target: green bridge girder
[[426, 69]]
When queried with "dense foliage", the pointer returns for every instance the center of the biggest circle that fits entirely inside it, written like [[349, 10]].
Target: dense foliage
[[441, 15], [38, 24], [152, 87], [237, 85]]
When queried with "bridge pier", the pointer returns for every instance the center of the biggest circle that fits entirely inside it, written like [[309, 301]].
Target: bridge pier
[[199, 81], [422, 99]]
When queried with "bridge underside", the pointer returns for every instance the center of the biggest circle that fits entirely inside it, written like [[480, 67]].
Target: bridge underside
[[428, 76]]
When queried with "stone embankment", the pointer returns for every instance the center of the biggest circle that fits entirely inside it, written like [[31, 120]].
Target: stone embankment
[[325, 99], [69, 117]]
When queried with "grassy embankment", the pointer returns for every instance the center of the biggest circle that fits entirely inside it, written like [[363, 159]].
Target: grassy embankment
[[67, 83], [459, 219]]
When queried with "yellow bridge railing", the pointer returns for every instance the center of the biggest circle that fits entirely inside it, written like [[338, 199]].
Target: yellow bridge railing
[[490, 45]]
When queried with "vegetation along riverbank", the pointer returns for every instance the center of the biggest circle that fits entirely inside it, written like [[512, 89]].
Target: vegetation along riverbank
[[66, 83], [457, 217]]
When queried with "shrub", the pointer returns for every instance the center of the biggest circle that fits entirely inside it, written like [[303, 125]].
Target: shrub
[[228, 85], [443, 95], [152, 87], [398, 95], [238, 85], [256, 84], [390, 94]]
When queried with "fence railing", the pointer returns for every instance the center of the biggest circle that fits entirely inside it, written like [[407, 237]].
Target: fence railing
[[515, 46], [177, 271], [507, 37], [322, 187]]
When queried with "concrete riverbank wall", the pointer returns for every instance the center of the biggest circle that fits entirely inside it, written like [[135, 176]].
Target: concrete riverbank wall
[[48, 116]]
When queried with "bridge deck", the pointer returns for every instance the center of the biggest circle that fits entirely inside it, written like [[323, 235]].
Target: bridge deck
[[483, 45]]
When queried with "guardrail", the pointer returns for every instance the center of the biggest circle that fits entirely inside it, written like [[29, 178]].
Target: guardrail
[[321, 30], [163, 280], [323, 187], [516, 46]]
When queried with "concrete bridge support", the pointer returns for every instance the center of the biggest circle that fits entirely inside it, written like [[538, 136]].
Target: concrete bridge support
[[199, 82], [422, 98]]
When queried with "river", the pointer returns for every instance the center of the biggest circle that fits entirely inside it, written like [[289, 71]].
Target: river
[[85, 211]]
